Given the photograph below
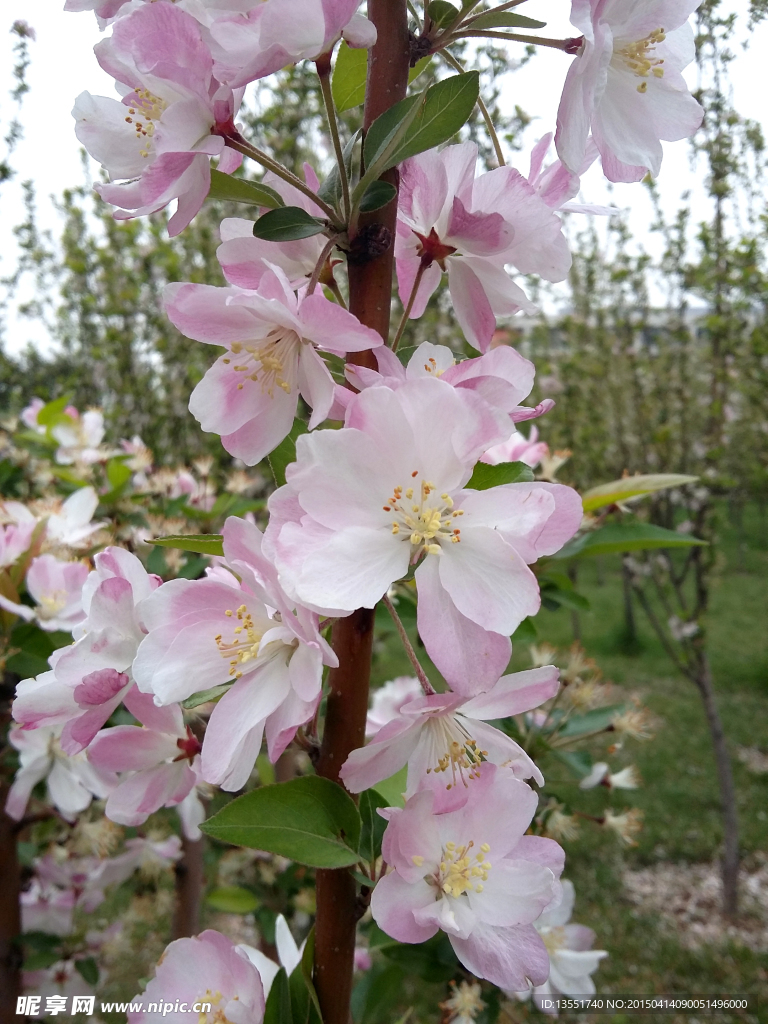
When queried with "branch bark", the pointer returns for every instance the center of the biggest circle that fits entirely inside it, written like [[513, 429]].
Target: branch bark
[[190, 882], [370, 298]]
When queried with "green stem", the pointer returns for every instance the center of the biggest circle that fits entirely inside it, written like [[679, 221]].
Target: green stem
[[321, 261], [402, 633], [323, 65], [555, 44], [409, 307]]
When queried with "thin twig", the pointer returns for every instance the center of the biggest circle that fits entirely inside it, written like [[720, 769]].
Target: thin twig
[[513, 37], [321, 261], [425, 683], [408, 308], [324, 74]]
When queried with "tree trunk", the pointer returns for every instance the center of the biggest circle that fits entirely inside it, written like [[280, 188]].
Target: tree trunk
[[730, 862], [10, 916], [370, 298]]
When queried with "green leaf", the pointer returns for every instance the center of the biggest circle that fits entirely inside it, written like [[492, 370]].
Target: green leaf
[[442, 110], [505, 19], [392, 789], [204, 696], [558, 591], [287, 225], [526, 632], [591, 721], [378, 194], [442, 13], [200, 543], [619, 537], [88, 969], [278, 1008], [351, 72], [305, 1007], [240, 190], [433, 960], [579, 761], [285, 453], [309, 820], [118, 473], [232, 899], [307, 966], [485, 476], [373, 825], [330, 190], [53, 412], [630, 487]]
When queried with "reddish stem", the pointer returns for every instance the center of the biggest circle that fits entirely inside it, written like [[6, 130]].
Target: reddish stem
[[370, 295], [190, 882]]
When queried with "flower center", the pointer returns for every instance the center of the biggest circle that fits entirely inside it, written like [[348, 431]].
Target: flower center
[[432, 250], [424, 520], [245, 644], [553, 938], [189, 746], [638, 57], [461, 870], [216, 1014], [453, 748], [147, 108], [266, 361], [50, 605]]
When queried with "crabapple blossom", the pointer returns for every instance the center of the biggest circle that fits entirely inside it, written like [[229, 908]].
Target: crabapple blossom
[[363, 504], [60, 979], [210, 631], [208, 968], [161, 757], [556, 185], [475, 875], [245, 259], [172, 118], [288, 955], [67, 525], [46, 908], [387, 701], [15, 537], [276, 33], [518, 448], [250, 395], [80, 439], [601, 774], [626, 85], [56, 588], [449, 220], [71, 781], [572, 961], [446, 741]]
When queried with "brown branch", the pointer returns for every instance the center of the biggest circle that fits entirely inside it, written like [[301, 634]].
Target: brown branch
[[190, 882]]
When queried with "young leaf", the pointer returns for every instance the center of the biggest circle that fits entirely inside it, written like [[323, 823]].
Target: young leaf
[[442, 110], [349, 75], [53, 412], [201, 543], [382, 134], [204, 696], [442, 13], [118, 473], [240, 190], [485, 476], [590, 721], [373, 825], [378, 194], [630, 487], [309, 820], [232, 899], [278, 1008], [619, 537], [505, 19], [285, 453], [287, 225]]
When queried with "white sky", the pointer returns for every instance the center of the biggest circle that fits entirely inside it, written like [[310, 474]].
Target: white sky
[[63, 65]]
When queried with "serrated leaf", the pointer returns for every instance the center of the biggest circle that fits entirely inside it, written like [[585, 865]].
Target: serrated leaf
[[631, 487], [373, 825], [378, 194], [442, 13], [485, 475], [200, 543], [504, 19], [309, 820], [232, 899], [440, 112], [616, 538], [204, 696], [240, 190], [287, 224], [285, 453]]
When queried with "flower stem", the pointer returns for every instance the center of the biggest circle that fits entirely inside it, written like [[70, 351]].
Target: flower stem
[[323, 65], [512, 37], [425, 683], [321, 261], [409, 307]]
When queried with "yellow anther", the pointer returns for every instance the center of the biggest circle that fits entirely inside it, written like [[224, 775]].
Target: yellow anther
[[417, 859]]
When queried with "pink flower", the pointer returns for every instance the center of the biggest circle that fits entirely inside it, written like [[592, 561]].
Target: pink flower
[[47, 909], [472, 227], [56, 588], [206, 969], [245, 259], [171, 120], [250, 395], [626, 85], [363, 504], [141, 854], [475, 875], [206, 632], [15, 538], [79, 440], [557, 185], [388, 700], [71, 781], [281, 32], [446, 742], [30, 413], [518, 448], [161, 757]]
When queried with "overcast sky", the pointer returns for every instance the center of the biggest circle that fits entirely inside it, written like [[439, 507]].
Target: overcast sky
[[63, 65]]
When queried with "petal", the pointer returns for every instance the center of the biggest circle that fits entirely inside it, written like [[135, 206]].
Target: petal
[[514, 694], [393, 904], [507, 957]]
